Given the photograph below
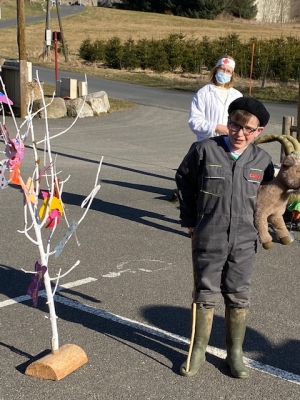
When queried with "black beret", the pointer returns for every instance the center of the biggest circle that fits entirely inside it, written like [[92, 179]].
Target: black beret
[[253, 106]]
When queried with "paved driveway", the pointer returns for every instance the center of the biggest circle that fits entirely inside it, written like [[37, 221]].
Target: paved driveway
[[128, 302]]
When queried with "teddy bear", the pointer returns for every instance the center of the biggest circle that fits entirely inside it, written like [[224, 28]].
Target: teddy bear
[[273, 197]]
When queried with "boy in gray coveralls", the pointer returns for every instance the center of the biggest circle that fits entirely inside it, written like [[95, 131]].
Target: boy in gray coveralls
[[217, 184]]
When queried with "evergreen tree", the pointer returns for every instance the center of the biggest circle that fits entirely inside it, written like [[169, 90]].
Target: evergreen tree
[[157, 6], [129, 57], [143, 53], [243, 8], [158, 60], [135, 5], [205, 9], [86, 50], [208, 9], [114, 53], [173, 46]]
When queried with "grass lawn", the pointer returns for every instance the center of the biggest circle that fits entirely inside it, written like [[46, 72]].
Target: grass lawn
[[104, 23]]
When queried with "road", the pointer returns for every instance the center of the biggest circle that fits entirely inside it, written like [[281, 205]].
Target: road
[[170, 99], [128, 302], [64, 12]]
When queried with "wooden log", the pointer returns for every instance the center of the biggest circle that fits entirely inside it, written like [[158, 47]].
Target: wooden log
[[56, 366]]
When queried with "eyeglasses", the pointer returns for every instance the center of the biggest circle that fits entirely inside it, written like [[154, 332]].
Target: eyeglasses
[[225, 71], [247, 130]]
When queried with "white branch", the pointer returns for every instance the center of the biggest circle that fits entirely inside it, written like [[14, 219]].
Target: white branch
[[66, 273], [45, 169]]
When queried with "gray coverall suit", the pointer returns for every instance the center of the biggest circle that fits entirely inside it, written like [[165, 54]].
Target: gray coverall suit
[[217, 196]]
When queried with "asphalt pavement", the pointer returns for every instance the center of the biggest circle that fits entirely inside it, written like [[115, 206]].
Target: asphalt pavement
[[127, 304], [150, 96]]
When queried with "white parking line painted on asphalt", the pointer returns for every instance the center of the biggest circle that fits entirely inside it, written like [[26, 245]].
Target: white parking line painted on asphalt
[[267, 369], [70, 285]]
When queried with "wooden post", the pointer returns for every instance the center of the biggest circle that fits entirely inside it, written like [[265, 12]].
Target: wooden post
[[62, 33], [23, 87], [47, 46], [22, 56], [55, 55], [56, 366], [251, 69]]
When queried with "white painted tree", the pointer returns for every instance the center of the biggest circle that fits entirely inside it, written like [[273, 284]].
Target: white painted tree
[[37, 217]]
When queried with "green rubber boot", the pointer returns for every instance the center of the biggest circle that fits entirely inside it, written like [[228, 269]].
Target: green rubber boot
[[236, 321], [203, 325]]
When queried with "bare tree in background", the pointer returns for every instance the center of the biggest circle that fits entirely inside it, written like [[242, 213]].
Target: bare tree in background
[[274, 10], [295, 10]]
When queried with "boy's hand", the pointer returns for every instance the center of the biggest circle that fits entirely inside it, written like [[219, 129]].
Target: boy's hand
[[222, 129], [191, 232]]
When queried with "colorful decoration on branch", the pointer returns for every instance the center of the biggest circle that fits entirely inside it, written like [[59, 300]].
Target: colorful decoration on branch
[[55, 209], [15, 152], [33, 288], [15, 176], [4, 99], [3, 168], [29, 191], [59, 247]]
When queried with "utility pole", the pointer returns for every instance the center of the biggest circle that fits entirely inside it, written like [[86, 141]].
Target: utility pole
[[47, 30], [22, 55], [62, 33]]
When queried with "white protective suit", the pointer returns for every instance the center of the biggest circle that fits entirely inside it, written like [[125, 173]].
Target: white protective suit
[[208, 110]]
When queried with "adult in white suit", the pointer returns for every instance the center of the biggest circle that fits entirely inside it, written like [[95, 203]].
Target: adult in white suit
[[209, 109]]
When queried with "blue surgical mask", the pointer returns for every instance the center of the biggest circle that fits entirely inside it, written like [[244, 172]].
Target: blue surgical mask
[[222, 78]]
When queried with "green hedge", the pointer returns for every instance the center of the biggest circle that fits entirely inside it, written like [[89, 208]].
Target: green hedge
[[276, 59]]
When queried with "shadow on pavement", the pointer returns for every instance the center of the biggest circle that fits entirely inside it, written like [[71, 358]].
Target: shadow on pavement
[[126, 212], [174, 320]]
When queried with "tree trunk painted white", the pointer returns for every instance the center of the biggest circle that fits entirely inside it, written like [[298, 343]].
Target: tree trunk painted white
[[36, 217]]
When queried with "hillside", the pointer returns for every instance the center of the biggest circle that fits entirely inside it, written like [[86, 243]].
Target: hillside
[[104, 23]]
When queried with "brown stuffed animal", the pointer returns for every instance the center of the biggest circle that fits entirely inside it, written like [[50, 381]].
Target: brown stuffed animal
[[272, 197]]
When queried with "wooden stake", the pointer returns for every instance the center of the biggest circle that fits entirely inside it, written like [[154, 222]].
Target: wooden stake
[[251, 69], [188, 361], [56, 366]]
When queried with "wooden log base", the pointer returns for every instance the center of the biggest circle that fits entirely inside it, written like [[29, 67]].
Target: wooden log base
[[56, 366]]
